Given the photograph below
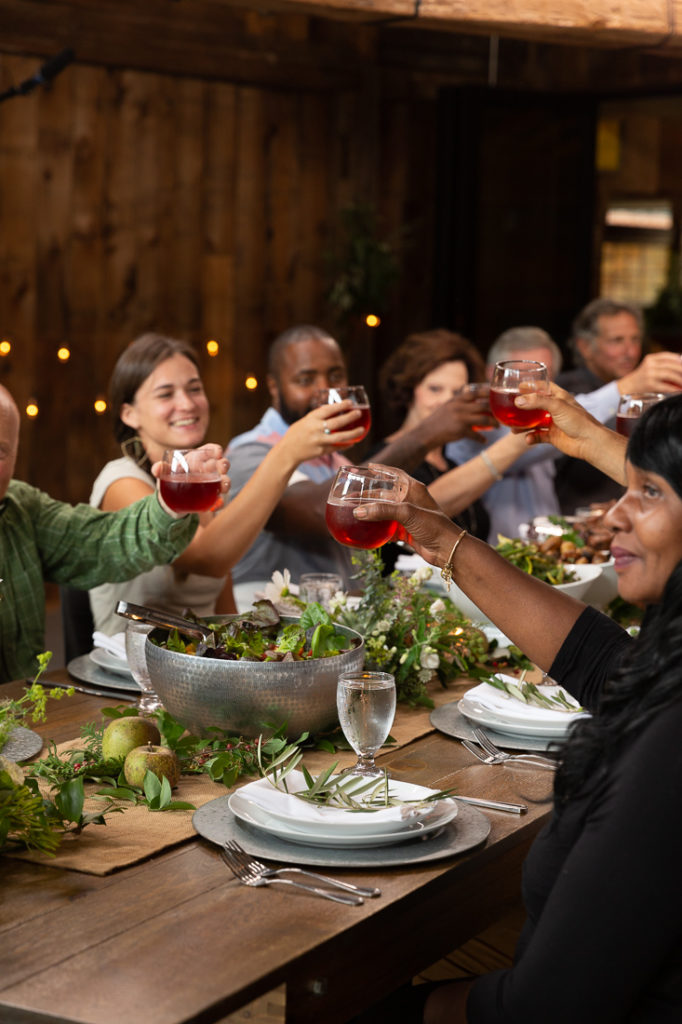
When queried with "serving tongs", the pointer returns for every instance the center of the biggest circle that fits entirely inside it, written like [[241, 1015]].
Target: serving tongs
[[156, 617]]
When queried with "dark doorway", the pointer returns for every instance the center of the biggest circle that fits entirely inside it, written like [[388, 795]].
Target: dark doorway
[[515, 199]]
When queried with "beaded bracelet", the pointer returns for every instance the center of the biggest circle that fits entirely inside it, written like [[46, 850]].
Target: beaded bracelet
[[446, 571]]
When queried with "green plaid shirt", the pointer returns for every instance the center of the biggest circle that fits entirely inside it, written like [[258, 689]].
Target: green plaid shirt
[[43, 539]]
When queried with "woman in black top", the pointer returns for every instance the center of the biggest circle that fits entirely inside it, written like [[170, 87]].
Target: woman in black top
[[601, 885]]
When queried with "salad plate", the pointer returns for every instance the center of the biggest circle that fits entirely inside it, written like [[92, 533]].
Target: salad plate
[[21, 744], [449, 720], [109, 662], [311, 819], [215, 822], [486, 705], [84, 669], [252, 814]]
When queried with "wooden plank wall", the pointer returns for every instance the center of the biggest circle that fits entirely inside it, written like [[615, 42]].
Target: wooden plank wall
[[133, 201]]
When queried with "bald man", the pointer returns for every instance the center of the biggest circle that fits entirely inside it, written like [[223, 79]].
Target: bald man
[[43, 539]]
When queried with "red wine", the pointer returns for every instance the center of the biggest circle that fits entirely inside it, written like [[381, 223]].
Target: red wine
[[626, 424], [357, 533], [365, 421], [504, 410], [190, 495]]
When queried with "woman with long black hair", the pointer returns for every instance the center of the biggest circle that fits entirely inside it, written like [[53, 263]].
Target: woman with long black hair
[[601, 885]]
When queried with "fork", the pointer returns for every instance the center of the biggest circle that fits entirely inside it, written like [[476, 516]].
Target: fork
[[502, 758], [253, 872], [487, 744]]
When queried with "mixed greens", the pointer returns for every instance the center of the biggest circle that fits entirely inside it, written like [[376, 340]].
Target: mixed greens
[[261, 635], [534, 561]]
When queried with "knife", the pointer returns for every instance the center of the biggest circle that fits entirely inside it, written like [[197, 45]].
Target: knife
[[493, 805], [111, 694]]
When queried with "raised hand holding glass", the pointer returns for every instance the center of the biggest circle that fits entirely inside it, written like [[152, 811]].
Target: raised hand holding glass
[[514, 377], [190, 481], [358, 396], [353, 486]]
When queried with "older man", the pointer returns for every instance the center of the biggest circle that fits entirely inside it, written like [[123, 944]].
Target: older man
[[43, 539], [301, 361], [607, 341]]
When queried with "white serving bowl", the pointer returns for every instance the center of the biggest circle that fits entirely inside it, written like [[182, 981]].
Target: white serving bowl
[[587, 576]]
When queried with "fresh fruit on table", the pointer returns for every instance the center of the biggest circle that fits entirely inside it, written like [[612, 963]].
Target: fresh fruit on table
[[162, 761], [124, 734]]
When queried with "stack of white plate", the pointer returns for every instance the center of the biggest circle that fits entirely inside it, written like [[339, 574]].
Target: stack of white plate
[[262, 806], [486, 705]]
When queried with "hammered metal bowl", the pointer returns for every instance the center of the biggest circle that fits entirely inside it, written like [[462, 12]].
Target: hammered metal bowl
[[247, 698]]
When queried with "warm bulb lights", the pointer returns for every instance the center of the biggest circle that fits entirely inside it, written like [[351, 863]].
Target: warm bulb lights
[[212, 347], [63, 354], [250, 383], [372, 320], [100, 406], [5, 347], [32, 409]]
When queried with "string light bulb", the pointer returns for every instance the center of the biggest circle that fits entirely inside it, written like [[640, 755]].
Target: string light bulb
[[251, 383], [5, 347], [32, 409], [63, 354], [100, 405], [372, 320], [212, 347]]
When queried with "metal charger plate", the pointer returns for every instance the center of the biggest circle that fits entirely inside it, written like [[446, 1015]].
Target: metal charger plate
[[21, 744], [216, 822], [450, 720], [84, 669]]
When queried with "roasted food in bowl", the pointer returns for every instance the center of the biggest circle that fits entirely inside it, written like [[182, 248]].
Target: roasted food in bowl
[[250, 697]]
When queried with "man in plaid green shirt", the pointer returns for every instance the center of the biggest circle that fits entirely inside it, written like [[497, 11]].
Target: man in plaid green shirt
[[43, 539]]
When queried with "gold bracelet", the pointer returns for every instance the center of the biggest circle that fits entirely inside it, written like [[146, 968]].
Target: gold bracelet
[[446, 571], [490, 465]]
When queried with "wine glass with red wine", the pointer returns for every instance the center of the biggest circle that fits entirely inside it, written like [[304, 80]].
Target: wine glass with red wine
[[353, 486], [190, 480], [631, 407], [514, 377], [358, 396]]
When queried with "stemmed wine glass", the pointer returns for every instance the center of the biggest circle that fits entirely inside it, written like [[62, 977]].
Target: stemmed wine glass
[[514, 377], [136, 638], [631, 407], [352, 486], [358, 396], [366, 705], [190, 480]]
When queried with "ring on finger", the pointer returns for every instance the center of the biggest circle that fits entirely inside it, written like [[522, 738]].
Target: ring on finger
[[326, 428]]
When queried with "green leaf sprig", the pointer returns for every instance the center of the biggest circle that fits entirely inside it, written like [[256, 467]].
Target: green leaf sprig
[[528, 693]]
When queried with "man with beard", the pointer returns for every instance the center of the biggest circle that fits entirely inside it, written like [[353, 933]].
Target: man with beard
[[301, 361]]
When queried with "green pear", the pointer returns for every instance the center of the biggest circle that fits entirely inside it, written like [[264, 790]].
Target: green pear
[[124, 734], [159, 760]]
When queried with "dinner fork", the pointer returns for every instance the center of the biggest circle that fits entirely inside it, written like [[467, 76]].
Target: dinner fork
[[487, 744], [253, 872], [503, 758]]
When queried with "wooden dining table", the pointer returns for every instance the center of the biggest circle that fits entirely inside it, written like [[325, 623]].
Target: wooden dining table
[[176, 939]]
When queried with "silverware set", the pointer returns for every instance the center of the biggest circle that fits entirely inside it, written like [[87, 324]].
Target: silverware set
[[253, 872], [489, 753]]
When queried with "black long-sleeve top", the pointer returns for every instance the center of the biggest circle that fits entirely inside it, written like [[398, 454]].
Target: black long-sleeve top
[[602, 884]]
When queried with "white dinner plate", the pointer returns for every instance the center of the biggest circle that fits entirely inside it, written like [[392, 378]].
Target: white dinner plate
[[251, 814], [486, 705], [311, 819], [109, 662]]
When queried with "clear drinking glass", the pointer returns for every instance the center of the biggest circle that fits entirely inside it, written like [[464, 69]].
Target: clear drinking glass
[[136, 636], [352, 486], [366, 705], [190, 481], [320, 587], [481, 392], [358, 396], [631, 407], [514, 377]]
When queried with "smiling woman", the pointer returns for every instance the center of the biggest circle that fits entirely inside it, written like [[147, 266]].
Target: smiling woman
[[601, 882]]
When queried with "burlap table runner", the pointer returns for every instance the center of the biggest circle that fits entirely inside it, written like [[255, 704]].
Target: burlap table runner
[[137, 833]]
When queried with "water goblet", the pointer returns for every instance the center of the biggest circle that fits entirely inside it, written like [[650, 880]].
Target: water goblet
[[190, 480], [358, 396], [366, 705], [136, 638], [631, 407], [514, 377], [319, 587], [353, 486]]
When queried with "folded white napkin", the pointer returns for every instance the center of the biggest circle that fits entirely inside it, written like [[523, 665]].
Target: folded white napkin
[[510, 709], [115, 644]]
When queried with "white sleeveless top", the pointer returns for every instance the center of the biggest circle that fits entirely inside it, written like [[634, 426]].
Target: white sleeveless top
[[162, 587]]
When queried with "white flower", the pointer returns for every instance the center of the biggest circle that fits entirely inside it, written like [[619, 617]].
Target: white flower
[[383, 626], [421, 574], [437, 607], [428, 658], [403, 658], [279, 587]]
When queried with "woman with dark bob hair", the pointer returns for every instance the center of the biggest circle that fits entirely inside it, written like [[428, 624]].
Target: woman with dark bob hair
[[158, 402], [424, 372], [602, 941]]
